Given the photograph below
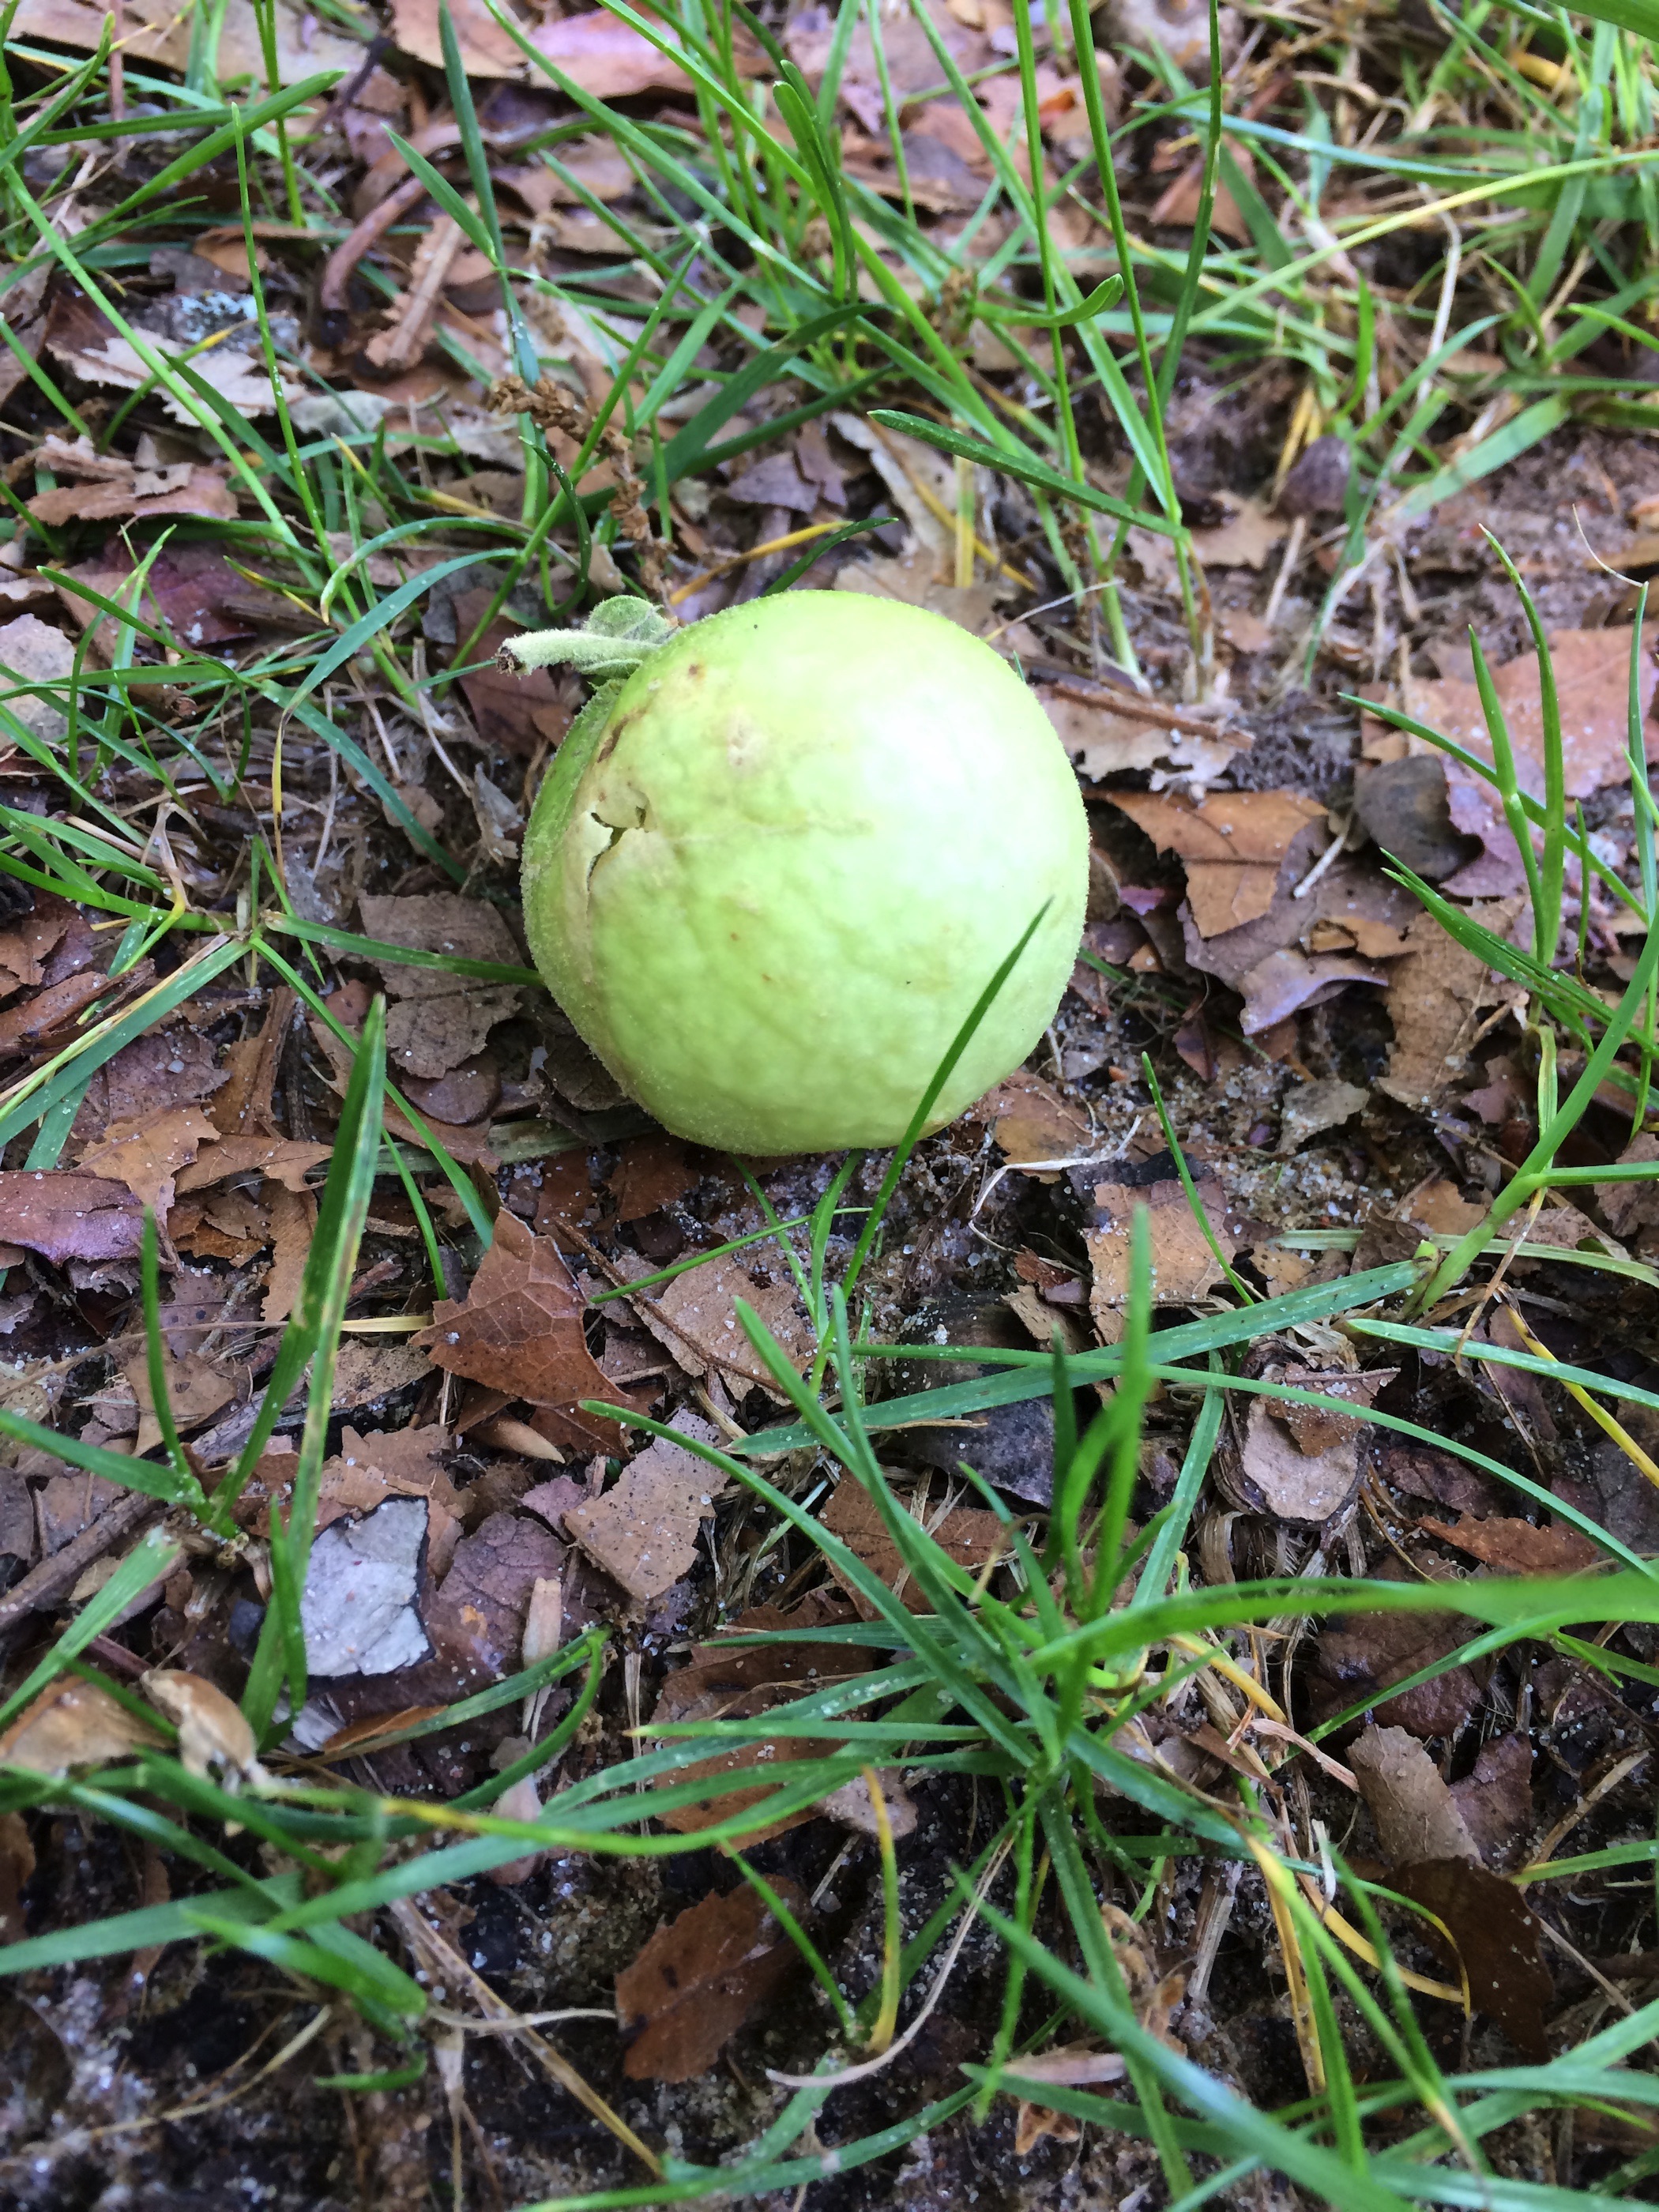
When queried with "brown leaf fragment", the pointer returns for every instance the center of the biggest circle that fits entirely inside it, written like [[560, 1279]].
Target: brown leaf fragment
[[1592, 677], [63, 1214], [699, 1979], [108, 487], [196, 1389], [36, 1021], [1413, 1808], [1516, 1547], [438, 1019], [1313, 1108], [394, 1463], [16, 1867], [75, 1724], [293, 1218], [1184, 1268], [1231, 845], [213, 1734], [24, 947], [146, 1154], [519, 1330], [652, 1172], [1495, 1938], [1368, 1654], [1302, 1462], [478, 1616], [728, 1680], [695, 1316], [1437, 995], [1495, 1799], [1030, 1121], [643, 1532], [245, 1103], [969, 1535]]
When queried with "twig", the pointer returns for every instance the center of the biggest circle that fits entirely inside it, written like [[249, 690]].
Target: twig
[[55, 1577], [1137, 709]]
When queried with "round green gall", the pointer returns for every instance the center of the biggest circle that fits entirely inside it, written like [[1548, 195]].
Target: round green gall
[[771, 871]]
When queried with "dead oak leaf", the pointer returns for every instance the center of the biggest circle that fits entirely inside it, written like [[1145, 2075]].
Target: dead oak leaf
[[519, 1330], [1231, 845], [292, 1215], [63, 1214], [1592, 680], [25, 947], [699, 1979], [643, 1532], [146, 1154]]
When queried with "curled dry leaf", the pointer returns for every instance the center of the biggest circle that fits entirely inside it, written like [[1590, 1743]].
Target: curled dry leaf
[[698, 1979], [519, 1330], [643, 1532], [212, 1731], [286, 1160], [72, 1724], [1302, 1462], [63, 1214], [1231, 845]]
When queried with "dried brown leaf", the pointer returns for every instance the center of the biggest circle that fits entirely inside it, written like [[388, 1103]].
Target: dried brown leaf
[[146, 1154], [519, 1330], [213, 1734], [1411, 1805], [643, 1532], [1496, 1939], [1184, 1268], [1231, 845], [285, 1160], [63, 1214], [695, 1316], [699, 1979], [652, 1172], [478, 1616], [1592, 677], [1437, 995], [967, 1534], [1516, 1547]]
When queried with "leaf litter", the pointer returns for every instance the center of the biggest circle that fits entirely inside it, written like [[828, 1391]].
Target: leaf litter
[[1344, 1078]]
